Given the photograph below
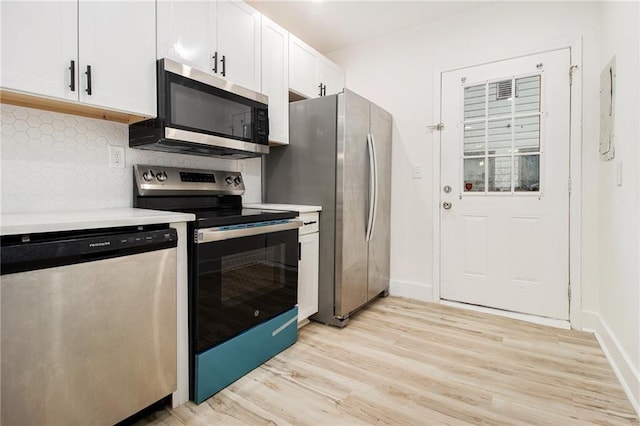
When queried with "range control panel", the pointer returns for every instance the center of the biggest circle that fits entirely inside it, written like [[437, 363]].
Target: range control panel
[[162, 180]]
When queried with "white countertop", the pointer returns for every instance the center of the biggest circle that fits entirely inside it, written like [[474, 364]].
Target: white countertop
[[294, 207], [28, 223]]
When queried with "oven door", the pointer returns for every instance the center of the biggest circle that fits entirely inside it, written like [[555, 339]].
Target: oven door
[[241, 281]]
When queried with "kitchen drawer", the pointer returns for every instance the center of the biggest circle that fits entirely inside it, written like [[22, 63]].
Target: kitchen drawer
[[310, 223]]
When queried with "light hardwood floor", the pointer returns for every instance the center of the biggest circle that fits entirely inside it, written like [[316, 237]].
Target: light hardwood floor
[[404, 362]]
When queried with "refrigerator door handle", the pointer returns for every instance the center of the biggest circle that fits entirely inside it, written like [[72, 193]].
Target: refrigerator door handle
[[372, 183], [375, 186]]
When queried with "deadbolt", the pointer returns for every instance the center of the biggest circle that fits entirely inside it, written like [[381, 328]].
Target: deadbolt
[[446, 205], [447, 189]]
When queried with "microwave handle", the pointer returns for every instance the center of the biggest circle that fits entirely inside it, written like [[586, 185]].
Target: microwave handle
[[215, 62]]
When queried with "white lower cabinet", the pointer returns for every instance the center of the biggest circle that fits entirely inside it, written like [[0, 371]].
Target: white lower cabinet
[[308, 269]]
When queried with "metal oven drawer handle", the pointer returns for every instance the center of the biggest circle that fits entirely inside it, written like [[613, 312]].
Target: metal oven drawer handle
[[220, 233]]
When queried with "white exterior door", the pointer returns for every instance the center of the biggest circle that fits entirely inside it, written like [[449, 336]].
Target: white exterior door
[[505, 185]]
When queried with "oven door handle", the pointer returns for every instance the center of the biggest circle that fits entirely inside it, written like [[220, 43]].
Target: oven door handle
[[207, 235]]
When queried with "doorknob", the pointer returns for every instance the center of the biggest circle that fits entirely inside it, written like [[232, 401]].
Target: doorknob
[[446, 205]]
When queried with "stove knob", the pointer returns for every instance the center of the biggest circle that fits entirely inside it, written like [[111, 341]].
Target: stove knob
[[161, 176], [237, 180], [229, 180], [148, 175]]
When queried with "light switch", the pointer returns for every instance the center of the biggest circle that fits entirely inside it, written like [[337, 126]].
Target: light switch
[[619, 173], [417, 171]]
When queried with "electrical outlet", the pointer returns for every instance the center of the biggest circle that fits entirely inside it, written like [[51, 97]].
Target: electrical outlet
[[116, 157], [417, 171]]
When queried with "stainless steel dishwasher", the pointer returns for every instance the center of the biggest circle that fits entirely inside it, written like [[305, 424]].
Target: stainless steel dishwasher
[[88, 323]]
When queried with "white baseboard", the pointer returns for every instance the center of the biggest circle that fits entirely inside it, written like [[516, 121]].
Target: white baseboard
[[620, 361], [417, 291]]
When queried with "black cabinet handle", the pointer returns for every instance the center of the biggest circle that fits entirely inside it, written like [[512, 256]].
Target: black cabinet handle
[[324, 90], [215, 62], [223, 61], [72, 69], [88, 73], [320, 87], [299, 251], [309, 223]]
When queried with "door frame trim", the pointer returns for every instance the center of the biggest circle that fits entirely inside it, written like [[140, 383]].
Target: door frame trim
[[575, 173]]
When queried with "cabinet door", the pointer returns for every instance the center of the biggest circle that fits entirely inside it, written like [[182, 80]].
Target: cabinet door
[[331, 75], [39, 41], [239, 43], [303, 69], [186, 33], [275, 79], [308, 275], [117, 42]]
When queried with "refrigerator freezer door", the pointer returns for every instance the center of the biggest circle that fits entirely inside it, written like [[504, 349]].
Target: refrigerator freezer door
[[379, 249], [352, 202]]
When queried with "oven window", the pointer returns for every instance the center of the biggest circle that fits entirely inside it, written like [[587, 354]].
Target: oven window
[[239, 283], [196, 109], [252, 274]]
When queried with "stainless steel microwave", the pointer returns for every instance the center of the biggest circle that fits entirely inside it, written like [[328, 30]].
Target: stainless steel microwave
[[201, 114]]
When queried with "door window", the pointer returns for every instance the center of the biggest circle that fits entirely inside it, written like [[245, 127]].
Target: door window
[[501, 137]]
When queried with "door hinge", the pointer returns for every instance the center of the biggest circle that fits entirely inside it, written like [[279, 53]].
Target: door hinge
[[572, 70], [438, 127], [570, 185], [569, 291]]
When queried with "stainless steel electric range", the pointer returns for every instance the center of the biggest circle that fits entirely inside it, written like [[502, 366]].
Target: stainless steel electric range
[[243, 271]]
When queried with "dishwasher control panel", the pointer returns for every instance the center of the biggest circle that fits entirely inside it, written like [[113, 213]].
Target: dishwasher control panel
[[45, 250]]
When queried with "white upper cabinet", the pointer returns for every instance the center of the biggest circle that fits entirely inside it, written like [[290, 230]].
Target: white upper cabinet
[[52, 48], [331, 77], [303, 68], [238, 49], [218, 36], [117, 45], [311, 74], [39, 46], [187, 32], [275, 79]]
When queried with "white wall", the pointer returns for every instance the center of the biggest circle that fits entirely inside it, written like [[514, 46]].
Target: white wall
[[619, 293], [400, 73], [53, 161]]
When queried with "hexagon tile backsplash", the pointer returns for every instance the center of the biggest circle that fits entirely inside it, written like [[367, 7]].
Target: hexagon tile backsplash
[[53, 162]]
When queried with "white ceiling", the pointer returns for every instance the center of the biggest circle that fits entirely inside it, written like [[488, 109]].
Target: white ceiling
[[334, 24]]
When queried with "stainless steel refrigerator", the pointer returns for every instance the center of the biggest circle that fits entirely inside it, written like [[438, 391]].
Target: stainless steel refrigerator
[[339, 157]]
